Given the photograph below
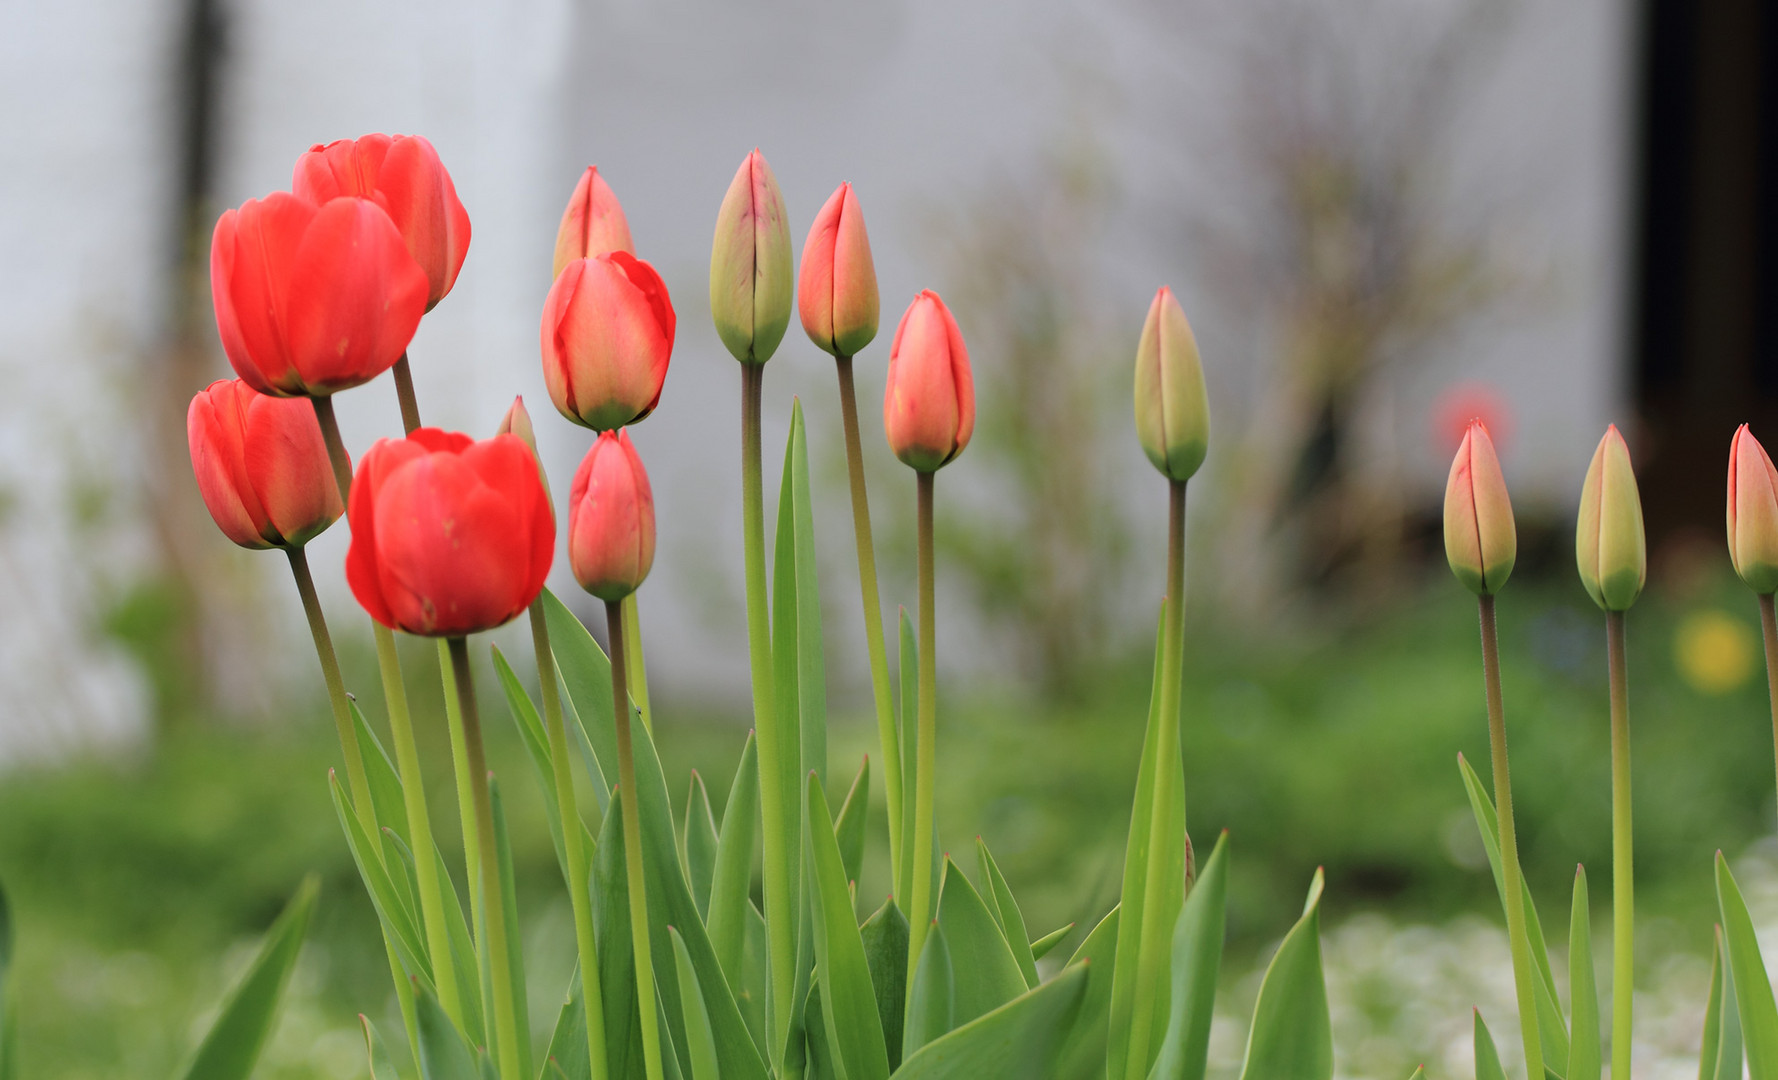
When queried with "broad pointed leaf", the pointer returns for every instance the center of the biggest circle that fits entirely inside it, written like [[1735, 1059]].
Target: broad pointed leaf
[[1487, 1057], [849, 1005], [1292, 1034], [1752, 989], [697, 844], [232, 1046], [1016, 1041], [1006, 912], [885, 937], [1585, 1049], [1197, 961]]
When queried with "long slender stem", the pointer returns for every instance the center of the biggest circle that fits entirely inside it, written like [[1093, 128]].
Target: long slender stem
[[1157, 921], [463, 774], [572, 847], [1510, 880], [336, 447], [638, 669], [1769, 624], [506, 1026], [626, 772], [1623, 877], [780, 899], [404, 393], [873, 615], [925, 759], [336, 689]]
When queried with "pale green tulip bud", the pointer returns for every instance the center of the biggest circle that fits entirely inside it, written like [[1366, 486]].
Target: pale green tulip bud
[[1172, 410], [1480, 540], [1609, 545], [1753, 513], [750, 268], [517, 421]]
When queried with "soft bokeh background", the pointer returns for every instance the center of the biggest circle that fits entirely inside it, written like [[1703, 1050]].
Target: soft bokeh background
[[1382, 216]]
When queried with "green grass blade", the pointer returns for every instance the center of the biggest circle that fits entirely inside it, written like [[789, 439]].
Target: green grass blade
[[987, 976], [1006, 913], [232, 1046], [885, 938], [929, 1012], [1082, 1056], [1752, 990], [848, 829], [1487, 1057], [376, 1054], [1042, 946], [1585, 1047], [849, 1008], [1292, 1034], [1016, 1041], [398, 920], [697, 844], [732, 875], [510, 904], [443, 1054], [700, 1040], [1552, 1028], [1197, 961]]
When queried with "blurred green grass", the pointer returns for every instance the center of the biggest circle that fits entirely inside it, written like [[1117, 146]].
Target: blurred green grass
[[136, 881]]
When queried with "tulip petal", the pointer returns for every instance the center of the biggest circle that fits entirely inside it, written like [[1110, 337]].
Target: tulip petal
[[354, 298]]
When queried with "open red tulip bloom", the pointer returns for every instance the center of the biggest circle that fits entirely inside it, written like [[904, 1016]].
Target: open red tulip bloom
[[449, 536], [607, 336], [404, 176], [261, 466], [611, 519], [929, 402], [312, 299]]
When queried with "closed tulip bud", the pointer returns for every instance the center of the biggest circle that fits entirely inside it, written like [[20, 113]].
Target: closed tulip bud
[[607, 336], [1608, 541], [836, 288], [1480, 540], [403, 174], [1753, 513], [261, 466], [750, 277], [517, 421], [312, 299], [929, 400], [611, 519], [1172, 410], [593, 224], [449, 536]]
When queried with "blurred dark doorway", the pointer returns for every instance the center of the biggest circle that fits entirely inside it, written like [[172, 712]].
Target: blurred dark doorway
[[1706, 287]]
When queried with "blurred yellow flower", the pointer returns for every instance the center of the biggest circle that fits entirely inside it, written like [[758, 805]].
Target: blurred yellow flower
[[1714, 651]]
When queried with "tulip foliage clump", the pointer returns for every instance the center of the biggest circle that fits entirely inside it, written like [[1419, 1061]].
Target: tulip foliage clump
[[680, 972]]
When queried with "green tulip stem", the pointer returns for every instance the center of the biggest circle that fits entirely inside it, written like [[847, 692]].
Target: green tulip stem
[[472, 847], [572, 847], [638, 669], [780, 899], [1153, 951], [1623, 878], [626, 773], [336, 447], [506, 1028], [1769, 624], [920, 893], [336, 689], [404, 393], [873, 616], [1510, 881]]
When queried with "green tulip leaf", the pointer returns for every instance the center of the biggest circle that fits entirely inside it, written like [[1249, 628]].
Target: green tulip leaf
[[234, 1042], [1585, 1050], [510, 904], [929, 1013], [443, 1053], [987, 976], [700, 1040], [849, 1008], [1720, 1056], [1292, 1034], [1082, 1055], [1042, 946], [1752, 990], [1487, 1058], [1197, 961], [1006, 913], [732, 874], [381, 1067], [697, 844], [848, 828], [885, 938], [566, 1057], [536, 740], [399, 925], [1016, 1041]]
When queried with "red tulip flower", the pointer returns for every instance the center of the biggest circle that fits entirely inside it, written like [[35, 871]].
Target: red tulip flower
[[449, 536], [836, 287], [593, 224], [261, 466], [313, 299], [404, 176], [929, 402], [611, 519], [607, 335], [1753, 513]]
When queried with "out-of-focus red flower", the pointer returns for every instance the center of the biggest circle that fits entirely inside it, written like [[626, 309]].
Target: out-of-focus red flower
[[607, 336], [836, 288], [1466, 401], [449, 536], [403, 174], [312, 299], [593, 223], [611, 519], [261, 466], [929, 399]]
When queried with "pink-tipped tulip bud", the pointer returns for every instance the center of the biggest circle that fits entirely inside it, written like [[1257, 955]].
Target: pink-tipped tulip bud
[[750, 275], [593, 224], [929, 401], [1480, 540], [261, 466], [611, 519], [607, 336], [1609, 545], [1172, 409], [517, 421], [836, 288], [1753, 513], [404, 176]]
